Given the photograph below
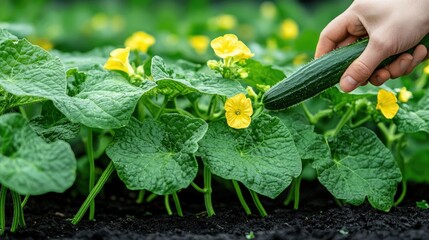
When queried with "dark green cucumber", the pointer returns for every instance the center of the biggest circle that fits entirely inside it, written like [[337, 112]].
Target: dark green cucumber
[[318, 75]]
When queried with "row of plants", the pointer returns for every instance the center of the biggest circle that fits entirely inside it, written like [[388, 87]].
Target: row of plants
[[164, 122]]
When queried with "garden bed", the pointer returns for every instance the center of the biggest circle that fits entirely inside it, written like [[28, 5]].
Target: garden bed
[[119, 217]]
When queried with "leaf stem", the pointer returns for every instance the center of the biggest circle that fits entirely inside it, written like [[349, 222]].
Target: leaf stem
[[240, 197], [208, 193], [297, 188], [196, 187], [25, 200], [3, 193], [177, 204], [140, 198], [97, 188], [161, 109], [346, 117], [403, 192], [258, 203], [18, 214], [90, 156], [151, 197], [314, 118], [167, 205], [290, 194]]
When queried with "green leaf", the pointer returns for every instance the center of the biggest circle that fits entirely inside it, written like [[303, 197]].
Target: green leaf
[[262, 74], [5, 35], [103, 99], [52, 125], [83, 61], [178, 81], [412, 121], [157, 155], [361, 166], [28, 70], [28, 164], [263, 157], [310, 145]]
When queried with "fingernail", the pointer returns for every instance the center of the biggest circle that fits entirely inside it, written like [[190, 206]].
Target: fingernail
[[351, 83]]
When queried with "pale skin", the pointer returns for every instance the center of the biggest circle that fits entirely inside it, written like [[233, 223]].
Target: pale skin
[[393, 26]]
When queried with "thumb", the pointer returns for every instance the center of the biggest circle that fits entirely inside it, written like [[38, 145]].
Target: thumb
[[362, 68]]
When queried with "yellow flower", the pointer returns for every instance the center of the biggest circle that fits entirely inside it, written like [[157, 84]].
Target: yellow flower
[[289, 29], [404, 95], [119, 61], [426, 69], [223, 22], [238, 111], [200, 43], [228, 46], [387, 103], [140, 41]]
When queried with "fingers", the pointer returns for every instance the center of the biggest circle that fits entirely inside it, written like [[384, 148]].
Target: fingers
[[363, 67], [419, 55], [337, 33]]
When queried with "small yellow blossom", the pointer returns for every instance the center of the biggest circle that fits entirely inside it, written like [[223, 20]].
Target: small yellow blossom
[[43, 43], [387, 103], [228, 46], [119, 61], [200, 43], [140, 41], [238, 111], [426, 70], [289, 29], [223, 22], [404, 95], [268, 10], [300, 59]]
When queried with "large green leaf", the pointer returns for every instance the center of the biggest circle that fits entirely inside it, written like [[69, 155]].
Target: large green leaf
[[28, 164], [102, 100], [262, 74], [157, 155], [361, 166], [412, 120], [5, 35], [28, 70], [263, 157], [52, 125], [178, 81]]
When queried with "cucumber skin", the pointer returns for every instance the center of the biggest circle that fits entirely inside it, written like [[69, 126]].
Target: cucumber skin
[[318, 75]]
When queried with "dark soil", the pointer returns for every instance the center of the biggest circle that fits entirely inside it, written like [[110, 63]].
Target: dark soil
[[319, 217]]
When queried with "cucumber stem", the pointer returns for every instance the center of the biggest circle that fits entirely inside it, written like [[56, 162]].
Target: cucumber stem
[[240, 197]]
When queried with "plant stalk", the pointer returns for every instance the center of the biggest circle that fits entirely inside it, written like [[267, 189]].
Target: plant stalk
[[208, 194], [167, 205], [196, 187], [177, 204], [140, 198], [3, 193], [258, 203], [297, 187], [240, 197], [90, 156], [97, 188], [24, 202], [18, 214]]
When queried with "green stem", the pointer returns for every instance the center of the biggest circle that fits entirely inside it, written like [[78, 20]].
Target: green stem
[[140, 198], [338, 202], [297, 187], [421, 82], [290, 195], [167, 204], [241, 198], [90, 156], [212, 106], [23, 112], [403, 193], [97, 188], [313, 119], [177, 204], [161, 109], [3, 209], [360, 122], [208, 193], [18, 215], [196, 187], [258, 203], [346, 117], [401, 163], [151, 197], [25, 200]]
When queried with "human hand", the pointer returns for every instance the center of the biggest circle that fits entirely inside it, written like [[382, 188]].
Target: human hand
[[393, 26]]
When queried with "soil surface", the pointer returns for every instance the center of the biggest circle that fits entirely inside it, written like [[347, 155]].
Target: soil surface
[[118, 216]]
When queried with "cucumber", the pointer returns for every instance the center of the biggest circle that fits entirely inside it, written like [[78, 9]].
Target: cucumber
[[318, 75]]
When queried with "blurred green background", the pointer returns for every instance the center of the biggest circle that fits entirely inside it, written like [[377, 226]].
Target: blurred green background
[[84, 25]]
